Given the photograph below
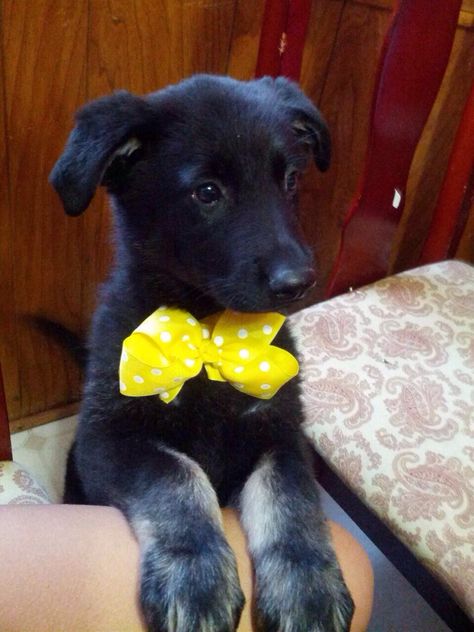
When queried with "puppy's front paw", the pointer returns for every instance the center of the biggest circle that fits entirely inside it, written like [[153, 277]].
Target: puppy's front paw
[[185, 591], [301, 592]]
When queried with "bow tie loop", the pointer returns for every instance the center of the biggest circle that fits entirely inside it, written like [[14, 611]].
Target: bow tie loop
[[171, 346]]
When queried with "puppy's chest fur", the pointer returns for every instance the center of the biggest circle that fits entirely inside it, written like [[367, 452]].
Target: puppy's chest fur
[[225, 431]]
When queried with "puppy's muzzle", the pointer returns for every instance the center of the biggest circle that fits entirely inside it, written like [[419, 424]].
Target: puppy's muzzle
[[288, 284]]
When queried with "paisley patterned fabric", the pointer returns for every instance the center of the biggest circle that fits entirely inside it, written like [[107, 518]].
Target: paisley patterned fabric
[[17, 486], [388, 381]]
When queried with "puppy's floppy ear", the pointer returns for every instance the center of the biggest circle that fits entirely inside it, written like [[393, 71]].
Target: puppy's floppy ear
[[104, 129], [307, 122]]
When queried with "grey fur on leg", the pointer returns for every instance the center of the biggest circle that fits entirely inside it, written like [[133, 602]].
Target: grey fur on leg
[[188, 575], [191, 590], [299, 585]]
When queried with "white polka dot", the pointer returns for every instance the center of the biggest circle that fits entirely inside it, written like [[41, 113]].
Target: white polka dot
[[160, 389], [156, 371], [138, 379], [244, 354], [123, 386], [265, 387], [264, 366], [238, 369], [189, 362], [162, 308], [218, 341], [165, 336], [237, 385], [267, 329], [242, 333], [191, 321], [124, 356], [177, 380], [185, 338], [205, 333], [164, 319], [191, 346], [165, 395]]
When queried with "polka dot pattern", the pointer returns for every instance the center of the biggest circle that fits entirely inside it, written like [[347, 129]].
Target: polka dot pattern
[[171, 347]]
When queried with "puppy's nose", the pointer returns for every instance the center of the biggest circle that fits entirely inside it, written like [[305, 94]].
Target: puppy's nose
[[288, 284]]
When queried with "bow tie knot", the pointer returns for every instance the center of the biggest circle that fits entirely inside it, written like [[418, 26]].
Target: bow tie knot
[[171, 347]]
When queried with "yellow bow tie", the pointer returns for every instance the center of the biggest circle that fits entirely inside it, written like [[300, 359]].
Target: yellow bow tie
[[171, 346]]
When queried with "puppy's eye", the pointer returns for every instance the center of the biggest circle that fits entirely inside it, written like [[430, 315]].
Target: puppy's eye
[[291, 182], [207, 193]]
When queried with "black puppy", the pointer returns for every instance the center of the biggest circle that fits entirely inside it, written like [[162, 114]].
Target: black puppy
[[202, 178]]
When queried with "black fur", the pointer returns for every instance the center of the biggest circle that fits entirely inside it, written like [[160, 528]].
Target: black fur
[[159, 463]]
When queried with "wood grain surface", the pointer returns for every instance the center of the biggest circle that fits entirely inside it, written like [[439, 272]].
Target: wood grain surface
[[44, 79], [57, 54]]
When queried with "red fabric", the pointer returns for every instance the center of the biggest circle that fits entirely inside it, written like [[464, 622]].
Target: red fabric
[[282, 38], [297, 25], [412, 65], [457, 193]]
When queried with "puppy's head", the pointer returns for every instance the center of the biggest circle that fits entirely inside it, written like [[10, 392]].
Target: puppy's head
[[203, 178]]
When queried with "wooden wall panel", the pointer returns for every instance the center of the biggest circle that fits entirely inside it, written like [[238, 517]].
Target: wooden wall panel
[[245, 39], [127, 47], [43, 71], [206, 35], [143, 45], [8, 347], [320, 45]]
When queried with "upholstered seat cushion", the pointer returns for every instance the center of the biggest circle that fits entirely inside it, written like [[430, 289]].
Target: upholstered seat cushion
[[17, 486], [388, 382]]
